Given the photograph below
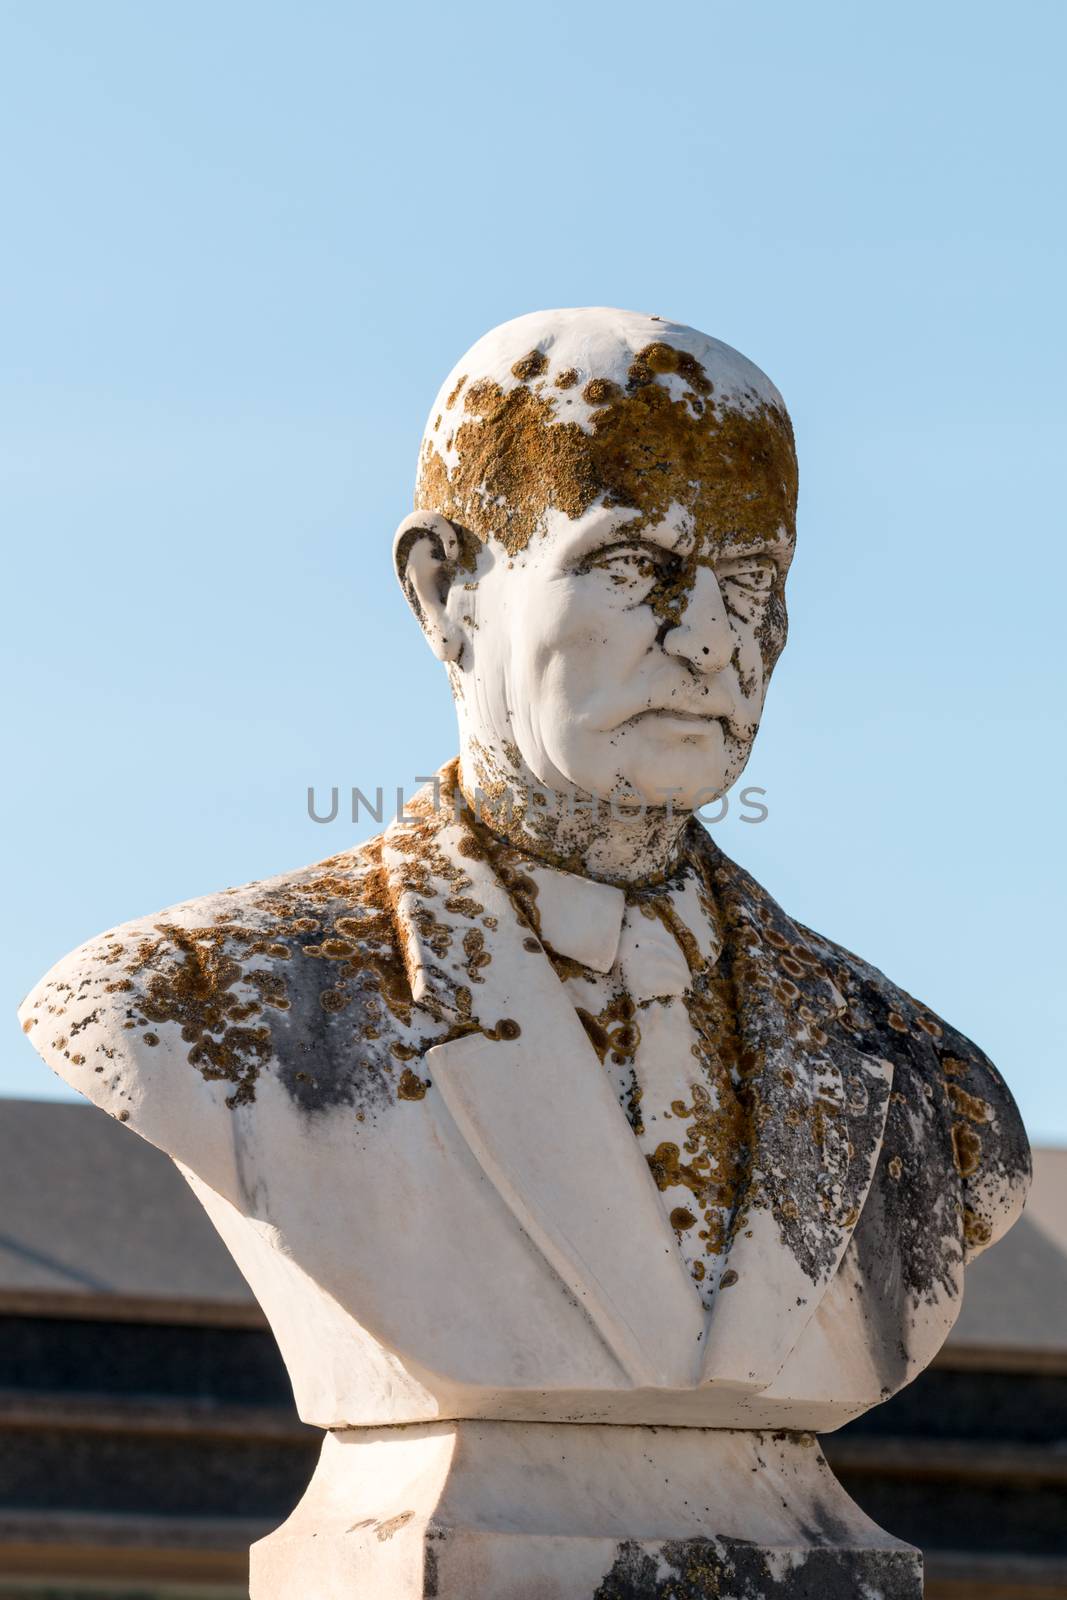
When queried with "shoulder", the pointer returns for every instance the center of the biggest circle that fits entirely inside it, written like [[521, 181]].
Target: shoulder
[[941, 1075], [171, 1022], [953, 1132]]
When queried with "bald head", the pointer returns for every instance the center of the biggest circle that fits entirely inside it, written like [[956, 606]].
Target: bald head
[[565, 410], [603, 524]]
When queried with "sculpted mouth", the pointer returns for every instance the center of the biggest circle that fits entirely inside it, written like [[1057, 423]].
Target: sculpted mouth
[[687, 716], [669, 714]]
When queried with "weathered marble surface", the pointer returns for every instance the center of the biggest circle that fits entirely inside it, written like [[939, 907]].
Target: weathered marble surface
[[555, 1118], [451, 1095], [598, 1513]]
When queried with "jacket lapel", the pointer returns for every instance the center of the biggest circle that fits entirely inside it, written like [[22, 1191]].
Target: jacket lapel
[[523, 1086], [817, 1108]]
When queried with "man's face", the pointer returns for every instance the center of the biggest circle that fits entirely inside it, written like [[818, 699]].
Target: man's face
[[624, 663]]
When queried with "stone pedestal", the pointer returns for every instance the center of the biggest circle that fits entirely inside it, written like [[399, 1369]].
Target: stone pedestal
[[547, 1511]]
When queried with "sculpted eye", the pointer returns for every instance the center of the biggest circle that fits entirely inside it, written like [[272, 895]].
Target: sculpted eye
[[626, 563], [755, 576]]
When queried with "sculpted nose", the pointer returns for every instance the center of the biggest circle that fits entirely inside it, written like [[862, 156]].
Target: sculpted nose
[[703, 634]]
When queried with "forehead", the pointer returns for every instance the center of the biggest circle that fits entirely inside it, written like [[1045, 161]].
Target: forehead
[[674, 428]]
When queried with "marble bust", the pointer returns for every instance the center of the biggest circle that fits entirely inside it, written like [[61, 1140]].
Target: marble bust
[[581, 1185]]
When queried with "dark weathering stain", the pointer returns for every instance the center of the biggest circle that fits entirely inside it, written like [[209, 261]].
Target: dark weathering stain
[[732, 1569], [318, 1061], [430, 1577]]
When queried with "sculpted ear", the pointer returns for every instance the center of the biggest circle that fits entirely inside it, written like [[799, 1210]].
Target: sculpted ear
[[426, 551]]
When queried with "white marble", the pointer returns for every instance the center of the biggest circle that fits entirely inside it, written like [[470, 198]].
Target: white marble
[[523, 1126], [487, 1501]]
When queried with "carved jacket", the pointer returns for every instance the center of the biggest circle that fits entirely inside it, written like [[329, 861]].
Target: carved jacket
[[374, 1079]]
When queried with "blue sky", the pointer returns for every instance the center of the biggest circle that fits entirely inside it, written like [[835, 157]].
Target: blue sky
[[245, 243]]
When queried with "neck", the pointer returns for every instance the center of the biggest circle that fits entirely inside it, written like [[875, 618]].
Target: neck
[[624, 844]]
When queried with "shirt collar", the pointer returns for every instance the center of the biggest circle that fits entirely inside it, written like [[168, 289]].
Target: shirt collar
[[579, 918], [662, 937]]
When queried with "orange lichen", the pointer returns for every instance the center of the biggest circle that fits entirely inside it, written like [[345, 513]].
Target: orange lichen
[[966, 1149], [976, 1230], [529, 366], [613, 1030], [411, 1086], [193, 986], [967, 1105], [732, 469]]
